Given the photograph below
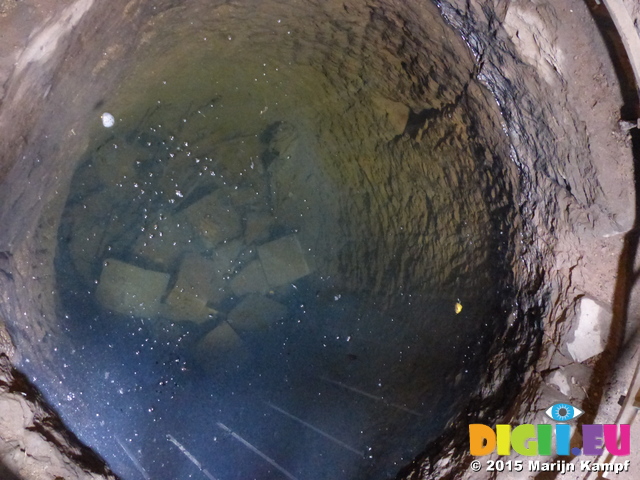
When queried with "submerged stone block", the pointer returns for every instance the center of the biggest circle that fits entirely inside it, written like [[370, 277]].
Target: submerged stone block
[[258, 227], [214, 220], [220, 348], [239, 157], [225, 257], [244, 196], [221, 339], [250, 279], [131, 290], [283, 261], [188, 299], [560, 381], [164, 242], [218, 288], [256, 312]]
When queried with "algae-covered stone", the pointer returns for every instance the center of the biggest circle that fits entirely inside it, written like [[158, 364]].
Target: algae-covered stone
[[225, 257], [188, 299], [214, 220], [256, 195], [283, 261], [218, 288], [256, 312], [163, 242], [239, 157], [131, 290], [258, 227], [250, 279]]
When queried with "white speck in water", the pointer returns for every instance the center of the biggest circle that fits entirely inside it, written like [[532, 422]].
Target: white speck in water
[[108, 120]]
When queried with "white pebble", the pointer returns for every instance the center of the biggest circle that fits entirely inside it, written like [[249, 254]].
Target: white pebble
[[107, 120]]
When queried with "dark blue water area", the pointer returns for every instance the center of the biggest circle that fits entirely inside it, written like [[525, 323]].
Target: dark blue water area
[[337, 389]]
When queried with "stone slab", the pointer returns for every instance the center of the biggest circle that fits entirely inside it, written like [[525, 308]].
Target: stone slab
[[254, 196], [239, 157], [214, 220], [220, 348], [559, 380], [258, 227], [221, 340], [572, 380], [250, 279], [225, 257], [165, 241], [590, 330], [547, 395], [283, 261], [131, 290], [188, 299], [256, 312]]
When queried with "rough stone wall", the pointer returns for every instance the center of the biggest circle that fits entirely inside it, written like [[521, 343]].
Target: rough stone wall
[[45, 166], [539, 58], [634, 12], [34, 443]]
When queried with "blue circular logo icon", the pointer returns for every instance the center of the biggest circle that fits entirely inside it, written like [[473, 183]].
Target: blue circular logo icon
[[563, 412]]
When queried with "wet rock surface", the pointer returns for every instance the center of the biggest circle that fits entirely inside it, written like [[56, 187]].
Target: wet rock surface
[[592, 233], [34, 443], [437, 194]]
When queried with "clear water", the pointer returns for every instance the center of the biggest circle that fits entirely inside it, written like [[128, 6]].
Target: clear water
[[353, 356], [325, 391]]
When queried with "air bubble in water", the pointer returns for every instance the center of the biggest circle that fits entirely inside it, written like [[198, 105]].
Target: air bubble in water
[[108, 120]]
